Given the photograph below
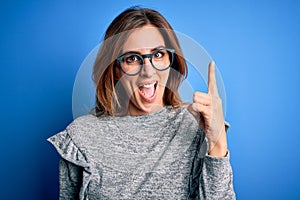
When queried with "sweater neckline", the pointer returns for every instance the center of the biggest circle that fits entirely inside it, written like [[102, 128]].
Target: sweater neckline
[[158, 113]]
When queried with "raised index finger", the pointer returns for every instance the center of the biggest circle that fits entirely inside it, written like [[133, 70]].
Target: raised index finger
[[212, 83]]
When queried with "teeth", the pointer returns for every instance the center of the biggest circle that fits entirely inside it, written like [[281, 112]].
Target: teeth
[[149, 85]]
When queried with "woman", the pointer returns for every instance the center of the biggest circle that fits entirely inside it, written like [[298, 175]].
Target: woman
[[142, 142]]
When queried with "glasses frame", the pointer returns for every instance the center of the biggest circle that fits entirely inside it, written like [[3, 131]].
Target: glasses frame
[[143, 56]]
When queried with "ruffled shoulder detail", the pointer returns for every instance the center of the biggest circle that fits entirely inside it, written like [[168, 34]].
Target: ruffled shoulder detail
[[68, 150]]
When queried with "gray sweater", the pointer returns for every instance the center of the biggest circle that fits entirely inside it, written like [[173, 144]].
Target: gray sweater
[[162, 155]]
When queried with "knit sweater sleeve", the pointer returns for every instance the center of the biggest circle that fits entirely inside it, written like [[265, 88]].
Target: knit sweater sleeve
[[74, 168], [216, 179], [70, 180]]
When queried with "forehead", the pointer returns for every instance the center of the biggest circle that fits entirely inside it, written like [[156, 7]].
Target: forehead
[[147, 37]]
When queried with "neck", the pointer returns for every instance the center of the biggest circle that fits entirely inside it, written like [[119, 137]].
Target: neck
[[134, 111]]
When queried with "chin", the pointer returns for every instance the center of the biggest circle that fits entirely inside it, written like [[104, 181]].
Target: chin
[[139, 106]]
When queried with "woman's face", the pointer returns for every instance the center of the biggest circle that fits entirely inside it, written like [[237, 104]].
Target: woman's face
[[145, 89]]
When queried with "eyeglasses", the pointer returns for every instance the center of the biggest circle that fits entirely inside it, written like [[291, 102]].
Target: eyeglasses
[[132, 63]]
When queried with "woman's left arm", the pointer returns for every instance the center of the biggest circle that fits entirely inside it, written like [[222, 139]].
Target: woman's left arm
[[216, 176]]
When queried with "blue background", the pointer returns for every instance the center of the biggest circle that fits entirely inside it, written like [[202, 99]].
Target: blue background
[[255, 45]]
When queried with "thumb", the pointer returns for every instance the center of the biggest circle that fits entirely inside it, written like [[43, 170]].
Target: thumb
[[198, 116]]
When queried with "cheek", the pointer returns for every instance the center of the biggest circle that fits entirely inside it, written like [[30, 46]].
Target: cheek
[[164, 76], [128, 83]]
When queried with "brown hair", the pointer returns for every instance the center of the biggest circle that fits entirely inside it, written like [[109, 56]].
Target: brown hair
[[104, 74]]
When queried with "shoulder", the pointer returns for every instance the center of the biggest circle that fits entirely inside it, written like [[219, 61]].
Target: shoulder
[[74, 142], [182, 119], [184, 114], [83, 121], [85, 124], [83, 129]]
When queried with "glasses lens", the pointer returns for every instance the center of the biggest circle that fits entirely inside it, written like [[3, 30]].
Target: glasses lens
[[161, 59], [132, 63]]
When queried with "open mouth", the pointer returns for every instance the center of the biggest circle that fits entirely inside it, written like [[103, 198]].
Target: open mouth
[[148, 91]]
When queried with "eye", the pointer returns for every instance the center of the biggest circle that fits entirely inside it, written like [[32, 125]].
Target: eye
[[131, 59], [159, 54]]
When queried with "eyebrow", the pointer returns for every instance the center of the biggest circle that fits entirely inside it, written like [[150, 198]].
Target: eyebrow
[[137, 52]]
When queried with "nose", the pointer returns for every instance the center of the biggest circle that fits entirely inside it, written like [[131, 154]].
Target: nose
[[148, 70]]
